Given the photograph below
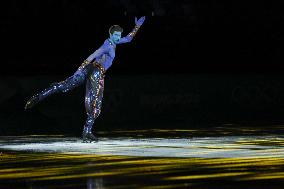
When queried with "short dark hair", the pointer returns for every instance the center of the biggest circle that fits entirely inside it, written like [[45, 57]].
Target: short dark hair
[[114, 28]]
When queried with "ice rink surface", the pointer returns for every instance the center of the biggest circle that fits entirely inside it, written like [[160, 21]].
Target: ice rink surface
[[203, 147], [214, 158]]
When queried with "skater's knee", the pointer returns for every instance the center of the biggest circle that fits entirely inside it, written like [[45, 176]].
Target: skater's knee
[[97, 112], [55, 86], [60, 86]]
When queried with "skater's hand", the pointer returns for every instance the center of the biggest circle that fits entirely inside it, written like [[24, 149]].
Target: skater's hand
[[140, 21]]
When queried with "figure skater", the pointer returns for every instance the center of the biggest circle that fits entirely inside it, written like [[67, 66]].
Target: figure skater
[[92, 70]]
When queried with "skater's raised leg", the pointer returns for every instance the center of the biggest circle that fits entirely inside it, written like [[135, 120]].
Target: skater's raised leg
[[63, 86]]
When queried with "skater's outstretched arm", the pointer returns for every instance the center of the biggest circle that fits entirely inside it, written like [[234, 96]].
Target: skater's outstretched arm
[[129, 37]]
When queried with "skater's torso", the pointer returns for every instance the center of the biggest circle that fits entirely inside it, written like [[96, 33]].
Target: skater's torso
[[107, 58]]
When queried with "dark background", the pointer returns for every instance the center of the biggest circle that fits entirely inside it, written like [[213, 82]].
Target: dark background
[[54, 36], [192, 63]]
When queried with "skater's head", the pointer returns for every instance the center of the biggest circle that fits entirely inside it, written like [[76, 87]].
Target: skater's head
[[115, 32]]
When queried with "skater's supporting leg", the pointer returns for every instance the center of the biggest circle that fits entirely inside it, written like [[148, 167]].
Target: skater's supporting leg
[[93, 101], [63, 86]]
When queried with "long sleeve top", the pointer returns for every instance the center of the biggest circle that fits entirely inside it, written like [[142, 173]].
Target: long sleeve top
[[105, 54]]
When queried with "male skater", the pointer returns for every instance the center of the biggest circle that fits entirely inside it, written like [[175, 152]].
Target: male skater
[[92, 70]]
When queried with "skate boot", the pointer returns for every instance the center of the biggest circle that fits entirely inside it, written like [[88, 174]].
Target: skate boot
[[88, 137], [32, 101]]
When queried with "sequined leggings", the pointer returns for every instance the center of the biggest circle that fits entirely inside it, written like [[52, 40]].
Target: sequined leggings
[[94, 97], [94, 77]]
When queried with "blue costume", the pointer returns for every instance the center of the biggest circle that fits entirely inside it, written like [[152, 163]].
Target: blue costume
[[92, 71]]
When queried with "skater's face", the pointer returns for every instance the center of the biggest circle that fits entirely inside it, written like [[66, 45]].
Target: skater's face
[[115, 37]]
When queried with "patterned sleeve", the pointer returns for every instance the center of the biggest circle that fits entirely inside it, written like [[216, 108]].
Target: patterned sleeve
[[130, 36]]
